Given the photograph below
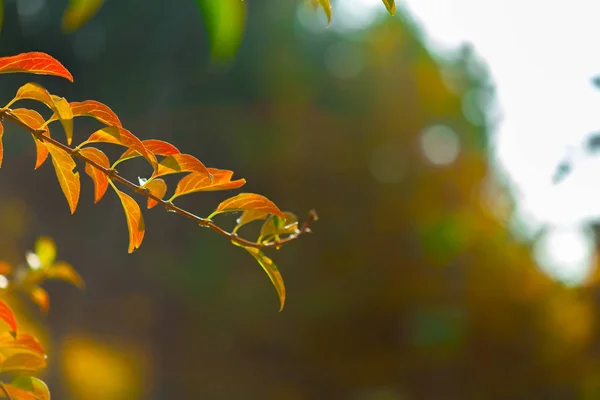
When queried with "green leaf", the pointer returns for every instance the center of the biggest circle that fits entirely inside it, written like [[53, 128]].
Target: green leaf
[[33, 385], [79, 12], [271, 269], [225, 22], [275, 226], [390, 5]]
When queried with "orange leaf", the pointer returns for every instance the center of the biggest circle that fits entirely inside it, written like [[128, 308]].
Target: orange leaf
[[100, 179], [156, 147], [34, 63], [21, 341], [68, 180], [1, 145], [64, 271], [201, 182], [271, 269], [40, 297], [5, 268], [94, 109], [157, 187], [17, 393], [29, 362], [58, 105], [118, 135], [135, 220], [36, 121], [7, 315], [177, 163], [248, 201]]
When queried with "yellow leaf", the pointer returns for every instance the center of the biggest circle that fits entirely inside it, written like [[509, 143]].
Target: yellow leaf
[[247, 201], [10, 345], [33, 385], [390, 5], [45, 249], [326, 5], [271, 269], [135, 220], [23, 362], [100, 179], [68, 180], [157, 187], [78, 12], [36, 121], [275, 226], [65, 272]]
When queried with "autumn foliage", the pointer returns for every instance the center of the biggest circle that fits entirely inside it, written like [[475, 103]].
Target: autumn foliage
[[23, 351]]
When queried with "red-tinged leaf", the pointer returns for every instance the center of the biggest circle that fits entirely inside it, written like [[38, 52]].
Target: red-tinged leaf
[[7, 315], [275, 226], [156, 147], [1, 145], [23, 362], [248, 201], [15, 393], [121, 136], [271, 269], [65, 272], [157, 187], [34, 63], [94, 109], [100, 179], [58, 105], [36, 121], [177, 163], [33, 385], [19, 342], [201, 182], [68, 180], [135, 220], [40, 297]]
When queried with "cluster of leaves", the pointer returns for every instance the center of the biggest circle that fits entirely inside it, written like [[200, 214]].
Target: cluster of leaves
[[21, 354], [164, 158]]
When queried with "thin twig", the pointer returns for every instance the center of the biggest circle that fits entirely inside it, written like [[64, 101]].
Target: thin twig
[[113, 175]]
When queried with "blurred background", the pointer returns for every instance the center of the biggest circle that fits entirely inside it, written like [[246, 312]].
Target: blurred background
[[446, 263]]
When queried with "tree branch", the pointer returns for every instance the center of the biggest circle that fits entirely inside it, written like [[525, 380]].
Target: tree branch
[[114, 176]]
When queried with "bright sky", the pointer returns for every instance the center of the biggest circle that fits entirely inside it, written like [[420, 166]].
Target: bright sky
[[542, 56]]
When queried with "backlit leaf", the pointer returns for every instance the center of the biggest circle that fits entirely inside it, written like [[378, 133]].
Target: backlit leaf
[[1, 145], [60, 106], [271, 269], [33, 385], [100, 179], [36, 121], [40, 297], [45, 249], [10, 344], [157, 187], [78, 12], [16, 393], [177, 163], [275, 226], [201, 182], [156, 147], [249, 216], [225, 22], [65, 272], [94, 109], [121, 136], [326, 6], [135, 220], [68, 180], [390, 5], [23, 362], [7, 315], [34, 63], [248, 201]]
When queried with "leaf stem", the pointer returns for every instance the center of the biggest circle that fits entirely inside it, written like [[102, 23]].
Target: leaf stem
[[113, 175]]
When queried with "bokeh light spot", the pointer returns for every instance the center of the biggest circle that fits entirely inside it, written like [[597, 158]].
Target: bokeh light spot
[[440, 145]]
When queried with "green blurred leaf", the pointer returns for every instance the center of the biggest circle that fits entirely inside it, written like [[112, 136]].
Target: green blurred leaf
[[225, 22], [79, 12], [45, 249], [390, 5]]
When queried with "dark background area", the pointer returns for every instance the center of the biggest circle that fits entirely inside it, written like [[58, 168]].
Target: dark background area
[[410, 287]]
